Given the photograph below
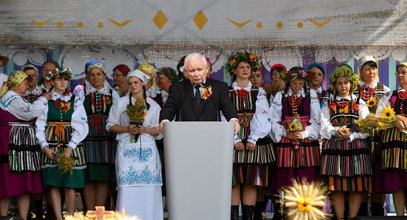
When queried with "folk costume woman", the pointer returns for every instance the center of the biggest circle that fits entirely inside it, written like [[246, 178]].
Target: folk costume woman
[[19, 151], [345, 164], [60, 130], [294, 116], [34, 91], [120, 79], [318, 74], [138, 169], [392, 175], [100, 145], [371, 91], [250, 168]]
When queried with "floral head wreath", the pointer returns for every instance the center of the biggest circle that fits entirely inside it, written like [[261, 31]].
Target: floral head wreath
[[53, 73], [15, 78], [296, 73], [170, 73], [242, 56], [344, 70]]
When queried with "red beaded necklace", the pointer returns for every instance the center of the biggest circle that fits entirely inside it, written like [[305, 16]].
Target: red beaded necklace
[[343, 104]]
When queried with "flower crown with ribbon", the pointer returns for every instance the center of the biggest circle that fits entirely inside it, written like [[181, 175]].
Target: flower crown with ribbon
[[242, 56], [53, 73], [346, 71]]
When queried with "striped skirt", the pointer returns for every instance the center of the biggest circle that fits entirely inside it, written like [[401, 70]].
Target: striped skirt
[[346, 166], [394, 150], [23, 153], [306, 155], [253, 167], [100, 145]]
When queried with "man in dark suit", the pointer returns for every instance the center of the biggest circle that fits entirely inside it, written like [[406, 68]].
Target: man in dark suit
[[198, 98]]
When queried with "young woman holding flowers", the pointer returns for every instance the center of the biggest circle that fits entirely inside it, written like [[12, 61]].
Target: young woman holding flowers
[[345, 163], [294, 116], [250, 168], [100, 145], [371, 91], [19, 152], [392, 175], [138, 169], [60, 130]]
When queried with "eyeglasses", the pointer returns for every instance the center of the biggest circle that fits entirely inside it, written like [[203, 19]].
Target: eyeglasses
[[401, 73]]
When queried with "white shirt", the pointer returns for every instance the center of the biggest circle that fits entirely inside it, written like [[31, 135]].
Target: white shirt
[[278, 131], [105, 90], [118, 116], [79, 122], [23, 110], [328, 130]]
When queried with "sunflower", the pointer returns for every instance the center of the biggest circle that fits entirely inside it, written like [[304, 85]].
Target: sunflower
[[388, 113], [372, 102], [292, 127]]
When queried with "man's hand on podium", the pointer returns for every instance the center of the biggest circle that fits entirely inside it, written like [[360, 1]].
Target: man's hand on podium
[[161, 126]]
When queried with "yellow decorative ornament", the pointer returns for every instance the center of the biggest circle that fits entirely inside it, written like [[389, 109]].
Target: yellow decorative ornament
[[305, 200], [15, 78]]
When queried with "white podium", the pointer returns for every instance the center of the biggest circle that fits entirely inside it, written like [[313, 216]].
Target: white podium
[[198, 163]]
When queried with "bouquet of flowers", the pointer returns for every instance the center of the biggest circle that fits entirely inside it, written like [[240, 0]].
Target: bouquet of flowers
[[136, 114], [373, 123], [293, 126], [65, 163]]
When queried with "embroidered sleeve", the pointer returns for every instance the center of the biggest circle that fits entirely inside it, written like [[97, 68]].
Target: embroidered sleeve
[[327, 129], [277, 130], [23, 110], [40, 124], [312, 130], [363, 113], [79, 123], [260, 125]]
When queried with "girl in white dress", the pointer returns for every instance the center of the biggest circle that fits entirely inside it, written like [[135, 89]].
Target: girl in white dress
[[138, 167]]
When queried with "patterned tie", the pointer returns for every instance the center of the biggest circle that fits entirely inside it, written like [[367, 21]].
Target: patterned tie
[[197, 95]]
